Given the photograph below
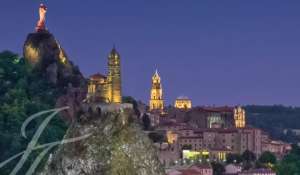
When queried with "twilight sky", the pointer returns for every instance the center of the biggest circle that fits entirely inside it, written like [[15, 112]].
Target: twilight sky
[[223, 52]]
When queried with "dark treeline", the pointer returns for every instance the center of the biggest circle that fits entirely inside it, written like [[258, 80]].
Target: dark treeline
[[274, 120]]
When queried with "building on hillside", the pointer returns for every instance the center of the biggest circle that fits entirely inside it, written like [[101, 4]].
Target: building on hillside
[[156, 102], [154, 119], [219, 142], [278, 148], [107, 88], [216, 117], [183, 102], [200, 169], [258, 172], [168, 154]]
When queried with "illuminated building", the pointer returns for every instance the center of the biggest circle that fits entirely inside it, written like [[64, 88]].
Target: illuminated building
[[214, 155], [239, 117], [114, 77], [172, 137], [156, 97], [107, 89], [97, 88], [217, 117], [183, 103]]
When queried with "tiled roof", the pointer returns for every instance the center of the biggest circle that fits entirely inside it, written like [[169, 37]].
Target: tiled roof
[[97, 76]]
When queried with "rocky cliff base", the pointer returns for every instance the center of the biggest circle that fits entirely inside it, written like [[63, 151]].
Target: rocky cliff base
[[116, 146]]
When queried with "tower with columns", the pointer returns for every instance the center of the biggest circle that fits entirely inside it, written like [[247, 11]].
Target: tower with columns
[[114, 90], [156, 96], [107, 88]]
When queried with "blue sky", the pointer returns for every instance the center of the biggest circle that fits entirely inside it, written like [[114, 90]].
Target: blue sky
[[215, 52]]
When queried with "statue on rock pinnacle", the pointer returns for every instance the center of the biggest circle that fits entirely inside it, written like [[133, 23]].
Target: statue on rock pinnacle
[[41, 23]]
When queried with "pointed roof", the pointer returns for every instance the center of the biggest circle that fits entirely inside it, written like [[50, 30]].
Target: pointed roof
[[156, 75], [114, 50]]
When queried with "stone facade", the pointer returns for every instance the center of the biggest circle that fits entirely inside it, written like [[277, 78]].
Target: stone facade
[[107, 88], [216, 143], [216, 117], [156, 97]]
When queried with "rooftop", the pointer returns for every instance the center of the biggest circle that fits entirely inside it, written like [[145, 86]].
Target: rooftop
[[261, 170], [97, 76]]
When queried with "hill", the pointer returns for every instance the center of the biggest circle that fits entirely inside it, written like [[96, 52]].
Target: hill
[[275, 119]]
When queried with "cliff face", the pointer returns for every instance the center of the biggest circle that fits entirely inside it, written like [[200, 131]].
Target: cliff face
[[116, 146], [48, 59], [45, 55]]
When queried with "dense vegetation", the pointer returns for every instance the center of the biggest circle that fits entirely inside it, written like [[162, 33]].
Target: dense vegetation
[[289, 165], [274, 120], [23, 93]]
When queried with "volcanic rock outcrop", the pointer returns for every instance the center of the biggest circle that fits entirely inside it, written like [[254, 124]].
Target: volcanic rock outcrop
[[116, 145], [45, 55]]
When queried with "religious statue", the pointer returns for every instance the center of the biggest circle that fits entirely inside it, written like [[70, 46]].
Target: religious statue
[[41, 23]]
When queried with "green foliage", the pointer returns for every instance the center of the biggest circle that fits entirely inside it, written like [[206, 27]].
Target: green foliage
[[233, 158], [23, 93], [156, 137], [131, 100], [248, 159], [290, 164], [218, 168], [267, 158], [248, 156]]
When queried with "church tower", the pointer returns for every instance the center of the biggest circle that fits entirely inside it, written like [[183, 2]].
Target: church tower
[[239, 117], [114, 93], [156, 99]]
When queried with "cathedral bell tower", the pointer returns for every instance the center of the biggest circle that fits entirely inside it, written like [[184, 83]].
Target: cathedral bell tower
[[156, 99], [114, 93]]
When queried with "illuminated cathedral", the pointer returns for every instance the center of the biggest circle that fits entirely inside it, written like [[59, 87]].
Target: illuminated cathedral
[[156, 96], [107, 89]]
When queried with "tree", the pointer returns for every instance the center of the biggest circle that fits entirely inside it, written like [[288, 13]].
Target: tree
[[131, 100], [267, 158], [248, 156], [290, 164], [248, 159], [23, 93], [218, 168], [233, 158], [146, 122], [156, 137]]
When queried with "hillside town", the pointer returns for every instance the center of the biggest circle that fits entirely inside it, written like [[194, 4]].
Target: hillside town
[[189, 138], [100, 130]]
